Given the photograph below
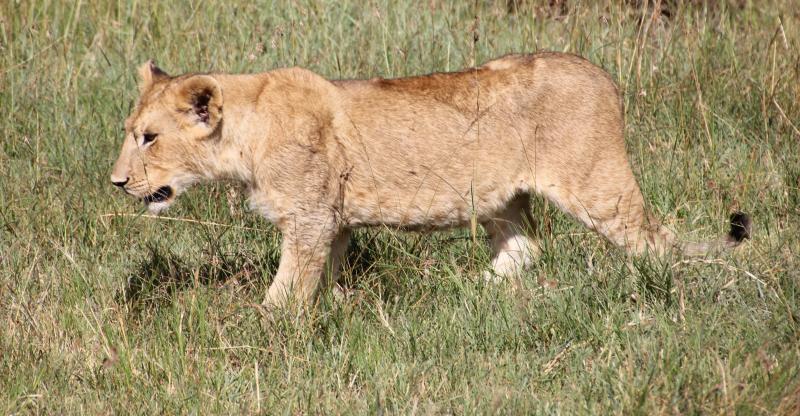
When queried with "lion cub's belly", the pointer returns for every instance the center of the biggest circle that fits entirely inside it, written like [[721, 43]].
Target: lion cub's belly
[[427, 207]]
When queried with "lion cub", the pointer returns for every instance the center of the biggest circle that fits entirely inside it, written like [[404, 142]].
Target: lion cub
[[321, 157]]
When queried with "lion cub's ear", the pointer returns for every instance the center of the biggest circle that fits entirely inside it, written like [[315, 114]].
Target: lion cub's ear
[[199, 99], [148, 74]]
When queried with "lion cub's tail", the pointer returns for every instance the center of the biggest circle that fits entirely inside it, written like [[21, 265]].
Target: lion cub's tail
[[740, 230]]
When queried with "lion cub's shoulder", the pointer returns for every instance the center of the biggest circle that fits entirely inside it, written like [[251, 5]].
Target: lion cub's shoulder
[[299, 78], [299, 87]]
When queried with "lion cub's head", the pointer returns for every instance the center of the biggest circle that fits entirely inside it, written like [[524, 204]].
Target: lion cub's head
[[168, 135]]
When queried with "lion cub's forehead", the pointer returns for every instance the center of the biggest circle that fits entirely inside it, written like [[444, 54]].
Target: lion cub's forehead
[[153, 119], [151, 107]]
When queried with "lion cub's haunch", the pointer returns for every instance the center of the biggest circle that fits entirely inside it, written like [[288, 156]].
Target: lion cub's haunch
[[321, 157]]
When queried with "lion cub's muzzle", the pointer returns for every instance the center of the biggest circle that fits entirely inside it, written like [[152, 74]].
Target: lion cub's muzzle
[[160, 195]]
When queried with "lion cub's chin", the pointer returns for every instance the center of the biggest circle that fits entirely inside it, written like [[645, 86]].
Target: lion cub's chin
[[156, 208]]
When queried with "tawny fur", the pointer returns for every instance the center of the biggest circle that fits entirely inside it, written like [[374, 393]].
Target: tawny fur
[[321, 157]]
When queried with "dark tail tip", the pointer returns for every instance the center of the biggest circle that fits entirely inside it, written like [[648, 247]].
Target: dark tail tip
[[740, 226]]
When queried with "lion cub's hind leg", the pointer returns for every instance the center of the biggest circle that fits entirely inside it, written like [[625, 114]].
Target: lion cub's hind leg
[[512, 239], [611, 204]]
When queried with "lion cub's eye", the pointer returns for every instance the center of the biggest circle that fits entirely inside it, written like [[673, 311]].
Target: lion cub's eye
[[148, 137]]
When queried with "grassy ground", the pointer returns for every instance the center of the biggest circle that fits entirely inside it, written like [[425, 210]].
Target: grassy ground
[[104, 311]]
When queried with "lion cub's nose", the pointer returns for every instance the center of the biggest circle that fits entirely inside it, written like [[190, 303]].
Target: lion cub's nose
[[118, 182]]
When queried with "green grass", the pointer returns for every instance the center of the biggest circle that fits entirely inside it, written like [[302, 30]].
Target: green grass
[[106, 313]]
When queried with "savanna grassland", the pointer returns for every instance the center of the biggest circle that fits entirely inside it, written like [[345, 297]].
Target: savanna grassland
[[104, 309]]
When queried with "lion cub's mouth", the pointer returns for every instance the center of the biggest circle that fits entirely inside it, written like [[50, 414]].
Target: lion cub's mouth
[[160, 195]]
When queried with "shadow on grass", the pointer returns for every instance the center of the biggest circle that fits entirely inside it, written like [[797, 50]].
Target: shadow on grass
[[162, 273], [385, 267], [395, 265]]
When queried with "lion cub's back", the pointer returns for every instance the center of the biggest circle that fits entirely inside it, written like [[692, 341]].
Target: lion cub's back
[[428, 147]]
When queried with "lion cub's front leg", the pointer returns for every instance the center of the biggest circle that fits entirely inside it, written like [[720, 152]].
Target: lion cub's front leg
[[305, 249]]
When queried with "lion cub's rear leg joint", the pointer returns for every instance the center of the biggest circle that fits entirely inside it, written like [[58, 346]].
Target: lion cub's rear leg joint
[[511, 238]]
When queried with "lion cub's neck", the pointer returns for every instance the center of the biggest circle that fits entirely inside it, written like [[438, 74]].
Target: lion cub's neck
[[259, 110], [231, 156]]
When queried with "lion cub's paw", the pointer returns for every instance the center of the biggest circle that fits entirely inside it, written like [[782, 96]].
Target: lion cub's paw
[[489, 276]]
